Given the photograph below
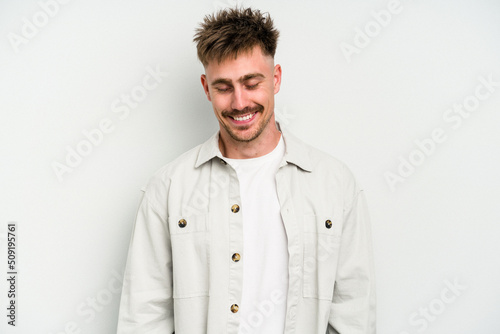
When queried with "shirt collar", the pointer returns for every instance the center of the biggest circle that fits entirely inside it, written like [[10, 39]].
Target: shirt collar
[[296, 152]]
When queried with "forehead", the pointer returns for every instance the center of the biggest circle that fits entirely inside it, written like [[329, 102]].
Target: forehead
[[245, 63]]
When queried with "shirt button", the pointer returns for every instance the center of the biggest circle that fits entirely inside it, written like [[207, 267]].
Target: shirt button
[[328, 223], [182, 223], [236, 257], [235, 208], [222, 162], [234, 308]]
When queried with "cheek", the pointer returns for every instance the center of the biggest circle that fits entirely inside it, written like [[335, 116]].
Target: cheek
[[219, 103], [264, 97]]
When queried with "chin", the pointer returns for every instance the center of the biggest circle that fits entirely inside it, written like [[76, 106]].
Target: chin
[[246, 135]]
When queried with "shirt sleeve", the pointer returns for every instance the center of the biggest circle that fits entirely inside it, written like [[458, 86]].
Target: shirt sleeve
[[353, 304], [146, 304]]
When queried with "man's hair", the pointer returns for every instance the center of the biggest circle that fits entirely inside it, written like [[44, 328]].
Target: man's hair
[[232, 31]]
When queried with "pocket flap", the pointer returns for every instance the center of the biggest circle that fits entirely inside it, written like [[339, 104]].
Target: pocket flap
[[187, 224], [328, 225]]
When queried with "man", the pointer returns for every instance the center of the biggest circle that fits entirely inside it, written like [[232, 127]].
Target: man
[[252, 231]]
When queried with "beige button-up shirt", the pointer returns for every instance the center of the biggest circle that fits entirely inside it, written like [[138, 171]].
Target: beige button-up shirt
[[180, 273]]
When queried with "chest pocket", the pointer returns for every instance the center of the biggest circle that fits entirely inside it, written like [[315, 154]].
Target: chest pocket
[[190, 255], [321, 250]]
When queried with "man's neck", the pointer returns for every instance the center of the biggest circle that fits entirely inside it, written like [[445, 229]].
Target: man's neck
[[265, 143]]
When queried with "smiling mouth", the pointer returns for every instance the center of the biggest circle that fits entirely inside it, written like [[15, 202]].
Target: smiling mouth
[[244, 117]]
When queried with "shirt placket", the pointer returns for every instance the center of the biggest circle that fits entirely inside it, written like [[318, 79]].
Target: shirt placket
[[235, 251], [289, 214]]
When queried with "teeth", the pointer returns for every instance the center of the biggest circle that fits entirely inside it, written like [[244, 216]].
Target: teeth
[[244, 118]]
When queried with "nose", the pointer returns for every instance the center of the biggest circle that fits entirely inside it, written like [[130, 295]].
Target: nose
[[239, 99]]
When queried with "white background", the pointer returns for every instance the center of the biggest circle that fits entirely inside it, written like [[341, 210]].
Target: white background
[[437, 224]]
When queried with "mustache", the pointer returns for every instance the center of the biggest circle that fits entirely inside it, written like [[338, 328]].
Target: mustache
[[238, 112]]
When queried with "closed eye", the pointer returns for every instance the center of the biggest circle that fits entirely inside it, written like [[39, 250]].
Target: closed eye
[[222, 90], [252, 86]]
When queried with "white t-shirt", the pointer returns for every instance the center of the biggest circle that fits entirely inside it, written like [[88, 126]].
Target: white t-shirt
[[265, 252]]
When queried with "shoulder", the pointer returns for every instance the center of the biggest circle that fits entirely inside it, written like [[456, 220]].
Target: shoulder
[[184, 162], [322, 165], [181, 167]]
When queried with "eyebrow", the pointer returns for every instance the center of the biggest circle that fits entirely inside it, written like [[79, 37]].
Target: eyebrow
[[240, 80]]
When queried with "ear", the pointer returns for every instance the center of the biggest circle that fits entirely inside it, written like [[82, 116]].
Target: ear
[[204, 83], [277, 78]]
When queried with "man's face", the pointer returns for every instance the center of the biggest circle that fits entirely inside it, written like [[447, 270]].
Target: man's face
[[242, 93]]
